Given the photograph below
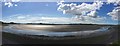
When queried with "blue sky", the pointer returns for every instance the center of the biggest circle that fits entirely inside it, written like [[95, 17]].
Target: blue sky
[[49, 9]]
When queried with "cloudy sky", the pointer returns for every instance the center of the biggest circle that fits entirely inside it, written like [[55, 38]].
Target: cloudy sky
[[60, 12]]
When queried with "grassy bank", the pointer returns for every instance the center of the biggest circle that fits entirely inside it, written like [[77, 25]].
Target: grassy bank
[[76, 40]]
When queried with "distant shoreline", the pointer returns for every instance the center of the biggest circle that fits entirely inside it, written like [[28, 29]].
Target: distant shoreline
[[55, 24]]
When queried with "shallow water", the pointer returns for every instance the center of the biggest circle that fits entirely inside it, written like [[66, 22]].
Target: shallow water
[[100, 31]]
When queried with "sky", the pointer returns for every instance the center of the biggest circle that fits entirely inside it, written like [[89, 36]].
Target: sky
[[53, 12]]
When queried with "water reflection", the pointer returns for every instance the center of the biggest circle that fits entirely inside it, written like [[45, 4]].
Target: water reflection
[[100, 31]]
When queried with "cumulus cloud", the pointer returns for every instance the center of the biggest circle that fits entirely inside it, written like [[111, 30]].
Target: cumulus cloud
[[78, 9], [114, 1], [115, 14], [83, 12], [10, 3], [93, 14]]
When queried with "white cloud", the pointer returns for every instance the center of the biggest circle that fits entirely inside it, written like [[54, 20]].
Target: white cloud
[[114, 1], [16, 5], [15, 0], [79, 9], [10, 3], [93, 14], [115, 14], [84, 12], [56, 20], [20, 17], [11, 0]]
